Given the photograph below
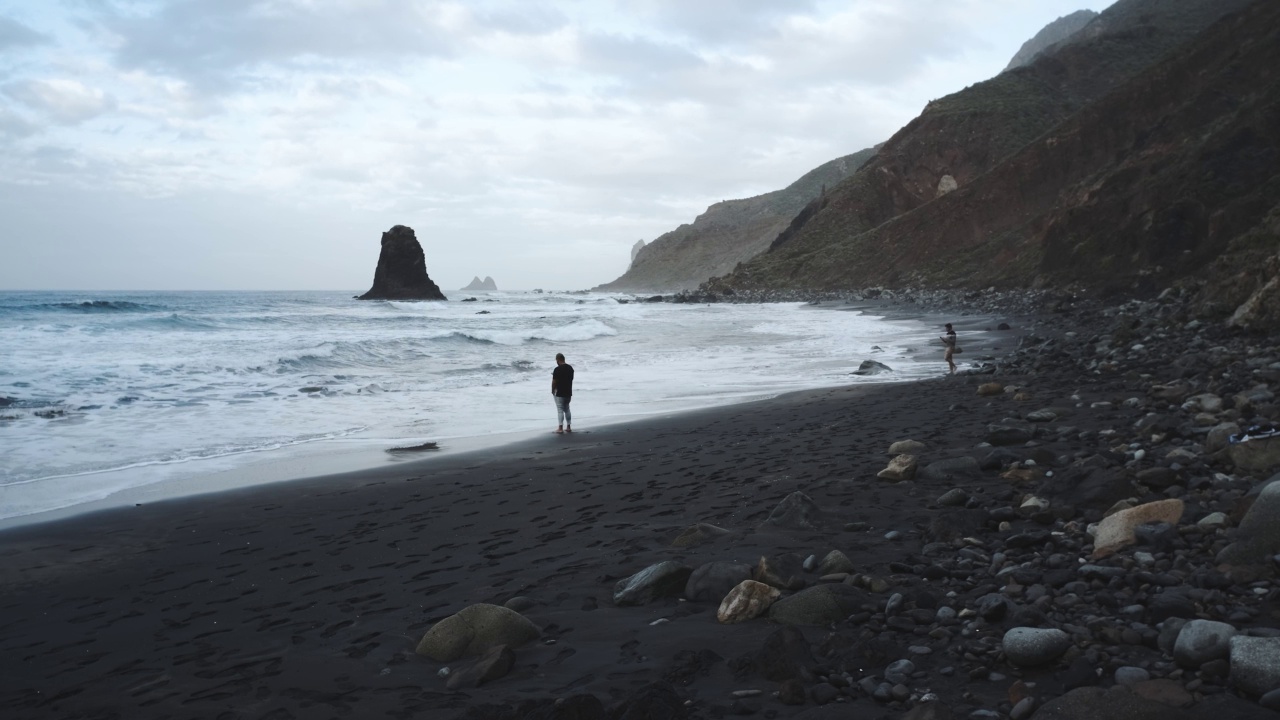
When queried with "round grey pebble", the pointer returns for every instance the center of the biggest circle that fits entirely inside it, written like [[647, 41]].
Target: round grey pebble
[[899, 672], [1023, 709], [1130, 675], [893, 535], [1031, 647]]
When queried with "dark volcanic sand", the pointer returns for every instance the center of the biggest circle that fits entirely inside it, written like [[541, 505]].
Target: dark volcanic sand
[[306, 599]]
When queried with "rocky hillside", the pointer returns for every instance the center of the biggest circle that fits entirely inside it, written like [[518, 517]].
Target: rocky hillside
[[1099, 164], [728, 233], [1052, 34]]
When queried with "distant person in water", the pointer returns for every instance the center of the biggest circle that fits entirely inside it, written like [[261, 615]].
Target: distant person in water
[[562, 391], [950, 341]]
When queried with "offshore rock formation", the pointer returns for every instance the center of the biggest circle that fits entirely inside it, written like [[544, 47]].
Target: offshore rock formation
[[1142, 155], [728, 233], [485, 285], [402, 269], [1052, 34]]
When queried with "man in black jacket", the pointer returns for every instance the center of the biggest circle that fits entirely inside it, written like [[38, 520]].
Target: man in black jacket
[[562, 390]]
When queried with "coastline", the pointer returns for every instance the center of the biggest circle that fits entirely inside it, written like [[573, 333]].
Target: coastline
[[311, 460], [296, 588]]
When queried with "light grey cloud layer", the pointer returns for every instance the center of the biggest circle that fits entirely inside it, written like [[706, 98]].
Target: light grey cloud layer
[[529, 140]]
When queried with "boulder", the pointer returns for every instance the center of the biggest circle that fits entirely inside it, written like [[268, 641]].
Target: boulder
[[1255, 664], [1092, 703], [745, 601], [1164, 691], [785, 655], [797, 511], [990, 389], [785, 572], [1258, 536], [474, 630], [710, 582], [491, 666], [698, 534], [1256, 455], [871, 367], [819, 605], [664, 579], [1200, 641], [1219, 437], [402, 269], [907, 447], [902, 467], [655, 701], [961, 468], [835, 562], [1008, 434], [1118, 530], [1087, 484]]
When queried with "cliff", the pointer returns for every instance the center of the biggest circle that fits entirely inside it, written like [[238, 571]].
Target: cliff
[[1050, 35], [402, 269], [1110, 161], [726, 234]]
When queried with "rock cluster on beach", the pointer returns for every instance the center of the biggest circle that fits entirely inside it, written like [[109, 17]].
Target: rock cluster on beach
[[402, 269], [1102, 547]]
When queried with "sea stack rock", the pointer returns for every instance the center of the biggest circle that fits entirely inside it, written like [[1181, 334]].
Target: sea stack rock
[[485, 285], [402, 269]]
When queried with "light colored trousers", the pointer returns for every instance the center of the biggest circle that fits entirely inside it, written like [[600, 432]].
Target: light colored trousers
[[563, 416]]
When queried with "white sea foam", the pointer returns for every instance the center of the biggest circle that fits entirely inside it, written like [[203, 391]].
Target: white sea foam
[[137, 388]]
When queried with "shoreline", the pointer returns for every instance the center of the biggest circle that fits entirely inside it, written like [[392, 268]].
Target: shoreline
[[305, 461]]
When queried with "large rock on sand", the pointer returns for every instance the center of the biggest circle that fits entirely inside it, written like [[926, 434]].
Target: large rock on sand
[[797, 511], [712, 581], [1200, 641], [1032, 647], [784, 571], [474, 630], [402, 269], [491, 666], [1255, 664], [819, 605], [1258, 537], [1092, 703], [902, 467], [665, 579], [747, 600], [1117, 531], [698, 534]]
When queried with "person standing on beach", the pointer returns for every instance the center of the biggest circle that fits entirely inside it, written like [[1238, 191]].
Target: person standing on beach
[[562, 391], [950, 341]]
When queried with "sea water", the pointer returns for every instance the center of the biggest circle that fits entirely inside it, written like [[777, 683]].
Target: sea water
[[101, 392]]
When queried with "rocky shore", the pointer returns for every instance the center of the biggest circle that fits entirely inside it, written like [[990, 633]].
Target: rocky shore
[[1064, 530]]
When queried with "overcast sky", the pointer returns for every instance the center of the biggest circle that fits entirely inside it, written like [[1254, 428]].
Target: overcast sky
[[267, 144]]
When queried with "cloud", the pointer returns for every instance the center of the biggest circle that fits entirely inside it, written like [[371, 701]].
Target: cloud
[[14, 34], [13, 126], [67, 102], [721, 22], [211, 42]]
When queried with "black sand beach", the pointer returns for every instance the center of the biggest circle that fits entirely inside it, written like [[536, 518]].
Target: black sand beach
[[307, 599]]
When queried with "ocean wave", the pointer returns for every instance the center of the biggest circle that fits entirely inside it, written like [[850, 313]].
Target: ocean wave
[[573, 332], [92, 306], [175, 321]]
